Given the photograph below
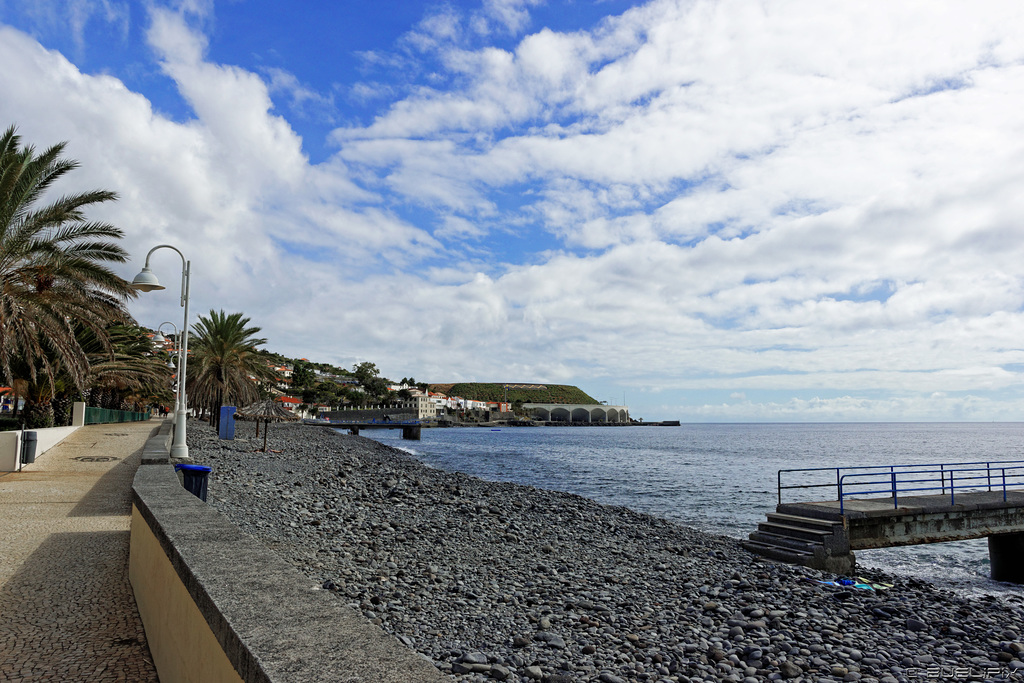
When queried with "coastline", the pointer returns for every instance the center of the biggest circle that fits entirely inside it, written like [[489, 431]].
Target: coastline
[[496, 581]]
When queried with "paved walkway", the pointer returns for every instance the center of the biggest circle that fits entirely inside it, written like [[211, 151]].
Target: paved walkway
[[67, 612]]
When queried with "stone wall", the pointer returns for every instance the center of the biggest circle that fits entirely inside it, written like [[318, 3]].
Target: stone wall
[[218, 606]]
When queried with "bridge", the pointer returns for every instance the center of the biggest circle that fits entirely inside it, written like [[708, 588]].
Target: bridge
[[896, 505], [579, 413], [410, 429]]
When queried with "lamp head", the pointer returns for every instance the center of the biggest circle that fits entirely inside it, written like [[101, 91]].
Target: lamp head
[[146, 281], [159, 338]]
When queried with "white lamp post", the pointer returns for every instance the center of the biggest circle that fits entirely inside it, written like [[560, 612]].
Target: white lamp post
[[146, 281], [159, 338]]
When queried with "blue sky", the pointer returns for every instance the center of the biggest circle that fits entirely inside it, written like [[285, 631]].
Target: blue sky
[[720, 210]]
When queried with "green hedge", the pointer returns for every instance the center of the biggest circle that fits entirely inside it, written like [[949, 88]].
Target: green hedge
[[551, 393]]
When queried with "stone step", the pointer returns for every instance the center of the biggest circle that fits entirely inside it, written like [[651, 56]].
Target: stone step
[[787, 542], [809, 510], [813, 535], [796, 520], [781, 554]]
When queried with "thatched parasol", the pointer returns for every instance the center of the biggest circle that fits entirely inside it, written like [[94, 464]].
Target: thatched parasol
[[265, 412]]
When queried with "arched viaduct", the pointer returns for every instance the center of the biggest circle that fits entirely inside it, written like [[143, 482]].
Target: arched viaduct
[[568, 412]]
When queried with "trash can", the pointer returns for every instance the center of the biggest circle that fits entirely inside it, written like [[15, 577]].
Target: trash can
[[227, 423], [194, 478], [29, 441]]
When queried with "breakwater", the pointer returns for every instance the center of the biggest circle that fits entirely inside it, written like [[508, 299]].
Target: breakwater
[[496, 581]]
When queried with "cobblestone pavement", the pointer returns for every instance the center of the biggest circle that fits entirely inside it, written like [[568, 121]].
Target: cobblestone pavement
[[67, 612]]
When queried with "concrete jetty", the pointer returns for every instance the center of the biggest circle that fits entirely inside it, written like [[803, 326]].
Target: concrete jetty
[[972, 500]]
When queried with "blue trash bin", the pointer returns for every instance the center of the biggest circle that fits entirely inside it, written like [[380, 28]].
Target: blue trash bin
[[194, 478]]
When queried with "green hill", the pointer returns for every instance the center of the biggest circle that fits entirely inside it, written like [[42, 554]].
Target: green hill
[[527, 393]]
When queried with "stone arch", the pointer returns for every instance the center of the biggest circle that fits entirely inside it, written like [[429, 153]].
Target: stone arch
[[560, 415], [580, 415], [598, 415]]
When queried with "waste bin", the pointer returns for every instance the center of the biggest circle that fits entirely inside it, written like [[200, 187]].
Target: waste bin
[[194, 478], [29, 441]]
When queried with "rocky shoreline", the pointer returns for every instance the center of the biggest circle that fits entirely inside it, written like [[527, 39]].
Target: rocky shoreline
[[496, 581]]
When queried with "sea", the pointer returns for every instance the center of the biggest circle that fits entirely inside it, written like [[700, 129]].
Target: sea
[[722, 478]]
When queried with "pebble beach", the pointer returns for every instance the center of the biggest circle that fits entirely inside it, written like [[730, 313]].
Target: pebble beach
[[497, 581]]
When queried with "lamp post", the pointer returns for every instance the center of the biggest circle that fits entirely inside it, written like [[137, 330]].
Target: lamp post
[[159, 338], [146, 281]]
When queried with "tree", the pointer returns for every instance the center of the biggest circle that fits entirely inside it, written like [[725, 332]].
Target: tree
[[368, 376], [224, 363], [130, 376], [303, 375], [365, 372], [52, 269]]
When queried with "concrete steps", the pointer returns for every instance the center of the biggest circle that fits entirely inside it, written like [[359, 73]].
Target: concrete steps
[[807, 541]]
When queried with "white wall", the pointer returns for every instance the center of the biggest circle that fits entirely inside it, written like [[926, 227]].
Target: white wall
[[10, 448], [48, 438]]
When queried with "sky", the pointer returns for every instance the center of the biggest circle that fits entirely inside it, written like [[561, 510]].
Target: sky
[[712, 211]]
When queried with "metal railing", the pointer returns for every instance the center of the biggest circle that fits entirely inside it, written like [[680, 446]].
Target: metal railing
[[374, 421], [894, 481], [97, 416]]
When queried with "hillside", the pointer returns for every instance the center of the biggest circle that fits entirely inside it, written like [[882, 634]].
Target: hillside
[[527, 393]]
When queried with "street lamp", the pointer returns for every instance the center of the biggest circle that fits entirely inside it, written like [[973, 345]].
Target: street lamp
[[146, 281], [159, 338]]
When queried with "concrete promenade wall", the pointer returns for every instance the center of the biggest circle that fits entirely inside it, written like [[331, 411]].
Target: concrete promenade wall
[[10, 445], [10, 442], [217, 606]]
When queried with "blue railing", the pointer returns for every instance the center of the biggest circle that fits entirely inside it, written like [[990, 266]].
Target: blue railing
[[375, 421], [894, 481]]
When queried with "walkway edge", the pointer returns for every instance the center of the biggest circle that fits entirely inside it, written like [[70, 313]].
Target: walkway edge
[[268, 621]]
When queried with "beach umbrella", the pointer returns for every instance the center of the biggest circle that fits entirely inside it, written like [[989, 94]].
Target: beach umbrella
[[266, 412]]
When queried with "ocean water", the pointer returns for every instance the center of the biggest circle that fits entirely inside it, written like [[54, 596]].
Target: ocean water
[[722, 478]]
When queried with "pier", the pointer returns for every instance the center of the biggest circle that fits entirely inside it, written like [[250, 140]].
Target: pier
[[896, 505], [410, 430]]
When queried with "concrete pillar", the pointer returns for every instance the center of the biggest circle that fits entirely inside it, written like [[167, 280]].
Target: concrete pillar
[[411, 433], [1006, 555], [78, 414]]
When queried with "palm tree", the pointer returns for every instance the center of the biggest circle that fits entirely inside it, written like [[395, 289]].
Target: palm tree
[[52, 269], [131, 374], [225, 364]]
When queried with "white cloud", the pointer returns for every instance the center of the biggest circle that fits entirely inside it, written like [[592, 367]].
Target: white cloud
[[857, 409], [508, 15], [304, 101], [812, 211]]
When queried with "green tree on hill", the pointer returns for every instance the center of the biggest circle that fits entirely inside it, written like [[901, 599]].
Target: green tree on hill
[[368, 376], [546, 393], [303, 374]]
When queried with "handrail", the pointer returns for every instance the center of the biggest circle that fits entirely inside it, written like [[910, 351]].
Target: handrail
[[979, 475], [972, 479]]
